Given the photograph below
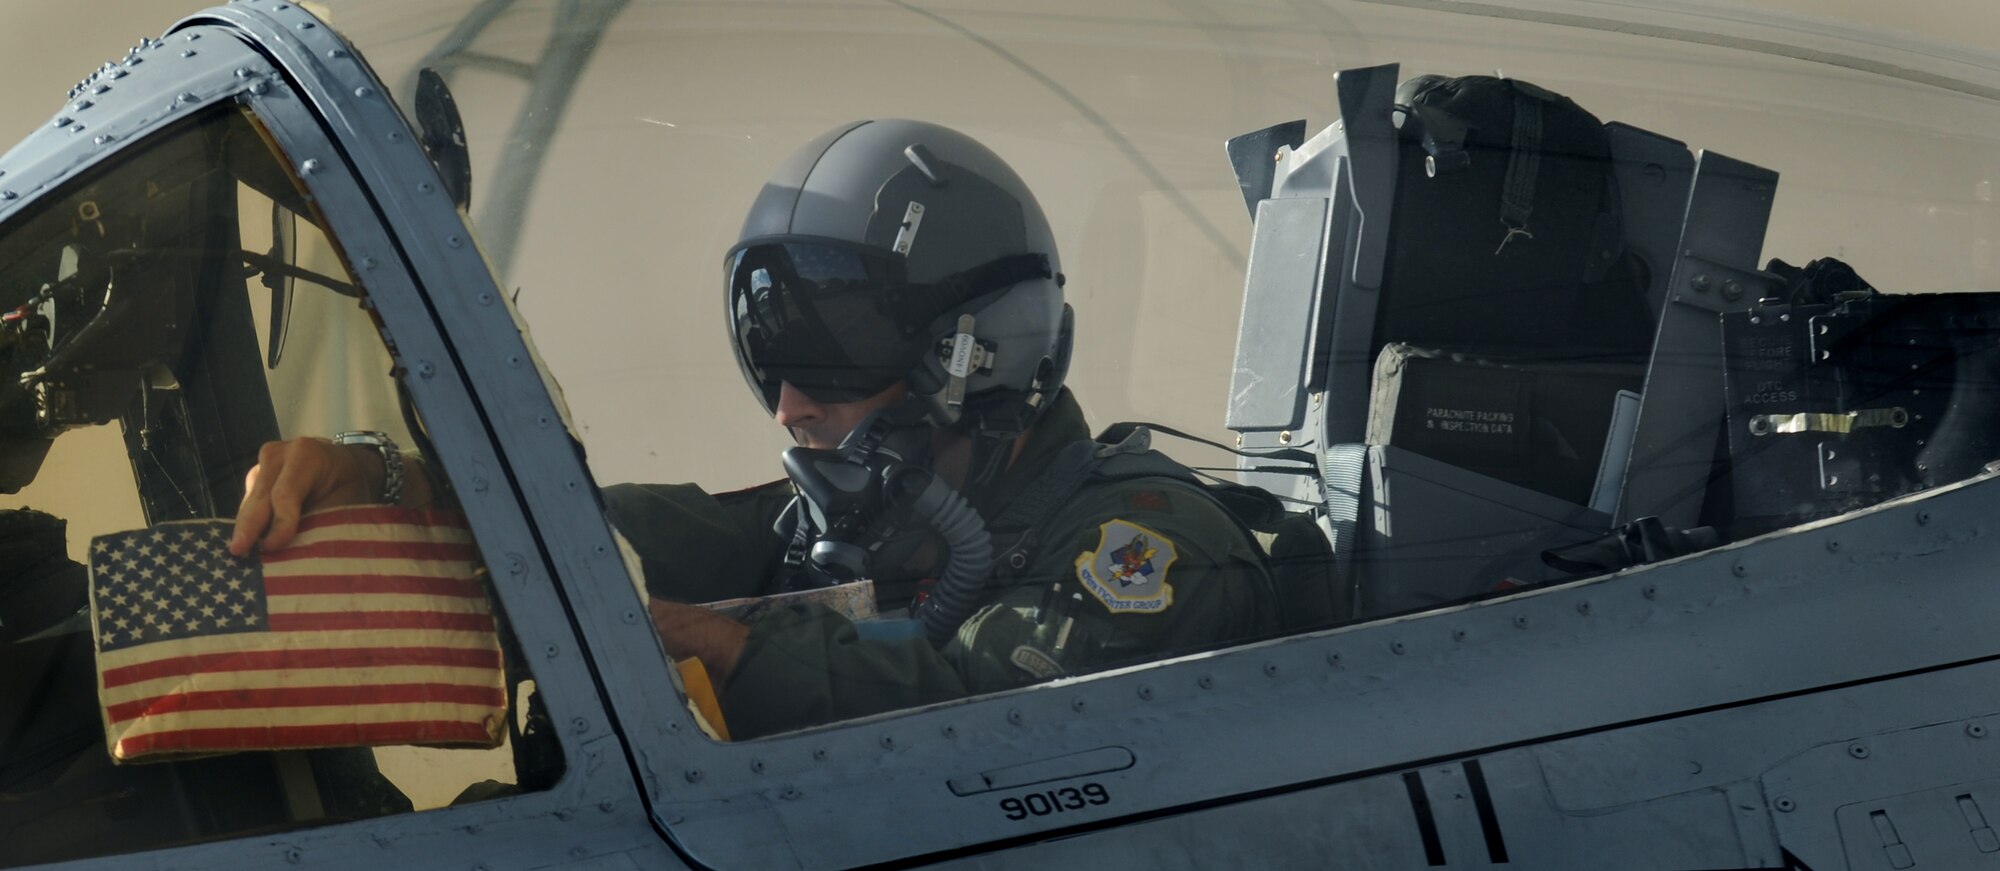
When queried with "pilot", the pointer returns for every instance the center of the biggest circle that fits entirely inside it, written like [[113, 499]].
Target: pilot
[[895, 302]]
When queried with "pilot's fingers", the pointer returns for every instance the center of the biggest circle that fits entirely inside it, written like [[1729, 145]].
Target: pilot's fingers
[[299, 483], [255, 513]]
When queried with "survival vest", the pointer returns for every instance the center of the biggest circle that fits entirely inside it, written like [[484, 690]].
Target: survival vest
[[1311, 584]]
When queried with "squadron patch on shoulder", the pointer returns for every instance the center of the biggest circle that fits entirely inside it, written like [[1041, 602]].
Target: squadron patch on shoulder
[[1128, 570]]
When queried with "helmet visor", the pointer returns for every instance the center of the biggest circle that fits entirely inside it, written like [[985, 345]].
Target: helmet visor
[[822, 316]]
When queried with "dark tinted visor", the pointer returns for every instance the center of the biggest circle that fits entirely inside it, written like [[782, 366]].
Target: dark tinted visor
[[821, 315]]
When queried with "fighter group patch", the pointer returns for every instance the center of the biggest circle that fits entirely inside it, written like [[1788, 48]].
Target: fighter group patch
[[1128, 570]]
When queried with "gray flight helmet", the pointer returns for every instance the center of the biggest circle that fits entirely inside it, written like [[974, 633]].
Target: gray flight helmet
[[869, 252]]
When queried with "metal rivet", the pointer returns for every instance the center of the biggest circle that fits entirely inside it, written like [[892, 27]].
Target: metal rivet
[[1650, 591], [1333, 659], [565, 814], [424, 187], [309, 167], [1833, 545], [949, 731], [757, 766], [1206, 682], [580, 725], [790, 793], [631, 616], [364, 92], [102, 139], [1740, 570], [1785, 805], [367, 263], [516, 564], [60, 122], [551, 651], [1583, 607], [192, 37], [479, 484], [454, 241], [888, 742], [1732, 290], [336, 53], [1699, 282], [1270, 669], [1458, 635], [188, 53], [259, 87], [1015, 716], [601, 550], [514, 360], [1145, 692], [294, 855], [395, 136], [570, 486], [1520, 621], [8, 195], [1396, 647], [101, 90], [425, 369], [187, 97], [607, 805], [80, 105], [1077, 704], [1285, 437], [77, 129], [819, 754], [305, 25], [485, 298], [243, 72], [1923, 518], [1975, 730], [693, 775], [1858, 751], [543, 420], [1017, 560]]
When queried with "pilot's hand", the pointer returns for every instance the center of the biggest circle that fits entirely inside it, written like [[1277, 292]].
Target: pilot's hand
[[293, 477]]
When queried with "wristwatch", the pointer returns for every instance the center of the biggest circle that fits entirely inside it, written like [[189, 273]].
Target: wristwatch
[[392, 460]]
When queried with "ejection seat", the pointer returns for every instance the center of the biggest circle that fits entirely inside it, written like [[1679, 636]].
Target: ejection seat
[[1468, 415]]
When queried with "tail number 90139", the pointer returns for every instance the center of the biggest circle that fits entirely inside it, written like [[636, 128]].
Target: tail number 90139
[[1041, 804]]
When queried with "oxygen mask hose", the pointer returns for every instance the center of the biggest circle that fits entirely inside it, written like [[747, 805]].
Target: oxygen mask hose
[[970, 548]]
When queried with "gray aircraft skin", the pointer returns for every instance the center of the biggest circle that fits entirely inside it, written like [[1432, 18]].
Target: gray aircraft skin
[[1823, 696]]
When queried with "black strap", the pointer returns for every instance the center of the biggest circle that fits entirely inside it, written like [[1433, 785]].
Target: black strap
[[1517, 198], [956, 289], [1118, 431], [1015, 530], [1058, 481]]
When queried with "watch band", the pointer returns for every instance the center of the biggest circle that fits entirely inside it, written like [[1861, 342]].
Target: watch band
[[392, 459]]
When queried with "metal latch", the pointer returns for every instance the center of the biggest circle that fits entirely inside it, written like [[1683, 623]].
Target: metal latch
[[1834, 422]]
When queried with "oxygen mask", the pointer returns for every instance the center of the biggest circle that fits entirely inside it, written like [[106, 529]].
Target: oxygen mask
[[856, 499], [869, 506]]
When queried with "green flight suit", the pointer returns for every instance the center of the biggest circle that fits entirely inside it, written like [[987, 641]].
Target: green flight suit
[[1126, 571]]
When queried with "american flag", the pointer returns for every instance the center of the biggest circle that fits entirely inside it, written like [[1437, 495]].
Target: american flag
[[371, 628]]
